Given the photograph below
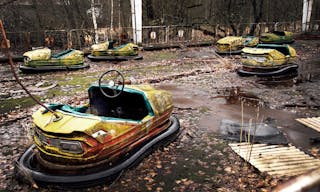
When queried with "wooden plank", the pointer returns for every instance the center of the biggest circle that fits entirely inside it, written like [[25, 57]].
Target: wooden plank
[[276, 159], [309, 123], [273, 151], [283, 165], [274, 167], [262, 154], [279, 157], [312, 122], [262, 148], [266, 151], [289, 171], [254, 147], [280, 160], [315, 120]]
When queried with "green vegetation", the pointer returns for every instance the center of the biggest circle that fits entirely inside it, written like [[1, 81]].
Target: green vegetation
[[204, 109], [72, 85], [11, 104], [69, 86], [161, 55]]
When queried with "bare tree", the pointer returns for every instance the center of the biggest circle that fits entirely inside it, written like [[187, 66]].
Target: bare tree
[[7, 3], [47, 14], [257, 10]]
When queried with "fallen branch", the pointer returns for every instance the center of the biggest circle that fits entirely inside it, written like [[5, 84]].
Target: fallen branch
[[302, 105], [9, 121], [175, 76]]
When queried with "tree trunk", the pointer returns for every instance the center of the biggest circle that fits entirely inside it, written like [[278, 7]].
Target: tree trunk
[[37, 11], [257, 14], [94, 21], [111, 17]]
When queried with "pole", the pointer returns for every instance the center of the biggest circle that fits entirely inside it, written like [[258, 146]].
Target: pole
[[133, 18], [306, 14], [136, 11], [309, 13], [4, 37], [94, 20], [111, 17]]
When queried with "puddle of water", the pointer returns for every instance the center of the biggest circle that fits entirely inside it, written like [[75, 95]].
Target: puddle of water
[[233, 95], [185, 97], [228, 106], [296, 133]]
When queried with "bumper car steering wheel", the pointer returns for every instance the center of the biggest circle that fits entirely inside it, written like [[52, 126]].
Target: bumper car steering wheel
[[114, 80]]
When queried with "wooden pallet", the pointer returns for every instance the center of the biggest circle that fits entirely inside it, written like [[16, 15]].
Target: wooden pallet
[[276, 159], [313, 122]]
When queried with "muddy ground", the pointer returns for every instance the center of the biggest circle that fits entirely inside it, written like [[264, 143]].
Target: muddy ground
[[206, 90]]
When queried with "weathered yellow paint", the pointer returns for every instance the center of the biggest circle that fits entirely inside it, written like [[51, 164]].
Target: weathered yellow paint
[[235, 40], [102, 49], [160, 100], [257, 51], [288, 33], [100, 46], [292, 51], [115, 129], [236, 43], [39, 54], [43, 57], [68, 124], [273, 58]]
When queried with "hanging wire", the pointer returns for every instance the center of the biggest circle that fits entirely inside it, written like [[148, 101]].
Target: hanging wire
[[4, 38]]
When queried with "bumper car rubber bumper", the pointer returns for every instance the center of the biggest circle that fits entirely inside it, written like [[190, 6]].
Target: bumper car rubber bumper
[[25, 170], [114, 58], [281, 71], [235, 52], [27, 69]]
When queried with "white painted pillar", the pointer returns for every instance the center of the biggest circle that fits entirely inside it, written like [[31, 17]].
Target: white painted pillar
[[111, 17], [309, 13], [94, 20], [306, 14], [136, 11]]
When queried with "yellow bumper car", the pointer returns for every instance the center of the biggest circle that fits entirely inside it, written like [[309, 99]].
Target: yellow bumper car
[[88, 144]]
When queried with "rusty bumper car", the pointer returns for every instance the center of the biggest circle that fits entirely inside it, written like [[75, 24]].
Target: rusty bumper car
[[107, 52], [42, 60], [268, 60], [277, 37], [234, 44], [89, 144]]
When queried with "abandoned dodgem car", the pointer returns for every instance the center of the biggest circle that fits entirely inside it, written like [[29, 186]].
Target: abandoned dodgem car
[[77, 146], [41, 60], [277, 37], [268, 60], [234, 44], [107, 51]]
